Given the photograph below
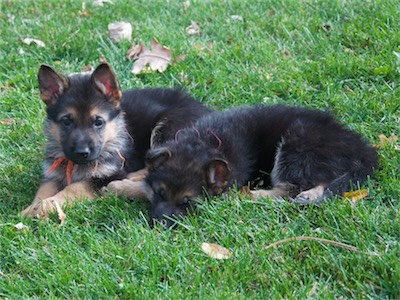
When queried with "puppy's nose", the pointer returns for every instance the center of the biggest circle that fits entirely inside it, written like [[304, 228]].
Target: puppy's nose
[[82, 152]]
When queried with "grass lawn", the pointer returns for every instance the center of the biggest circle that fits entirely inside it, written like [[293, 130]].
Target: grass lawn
[[330, 55]]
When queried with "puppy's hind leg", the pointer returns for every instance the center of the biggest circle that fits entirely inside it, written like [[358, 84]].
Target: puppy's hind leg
[[315, 195], [320, 194], [280, 190]]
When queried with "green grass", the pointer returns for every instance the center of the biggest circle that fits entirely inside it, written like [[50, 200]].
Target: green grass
[[335, 55]]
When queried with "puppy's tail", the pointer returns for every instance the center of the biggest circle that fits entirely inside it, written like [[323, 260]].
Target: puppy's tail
[[346, 183], [359, 170]]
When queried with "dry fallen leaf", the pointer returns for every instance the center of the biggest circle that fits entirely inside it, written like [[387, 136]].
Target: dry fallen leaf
[[84, 12], [7, 121], [183, 77], [327, 27], [180, 57], [216, 251], [383, 140], [103, 58], [237, 18], [29, 41], [134, 51], [186, 5], [120, 31], [193, 29], [157, 59], [101, 2], [87, 69], [10, 18], [21, 226], [354, 196], [287, 53]]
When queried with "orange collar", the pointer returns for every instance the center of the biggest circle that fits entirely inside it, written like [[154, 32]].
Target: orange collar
[[68, 170], [70, 166]]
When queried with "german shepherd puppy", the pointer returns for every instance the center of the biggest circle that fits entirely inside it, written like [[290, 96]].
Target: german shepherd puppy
[[302, 154], [95, 133]]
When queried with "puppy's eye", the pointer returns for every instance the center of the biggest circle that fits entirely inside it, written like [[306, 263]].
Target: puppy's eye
[[162, 193], [66, 122], [98, 122], [185, 201]]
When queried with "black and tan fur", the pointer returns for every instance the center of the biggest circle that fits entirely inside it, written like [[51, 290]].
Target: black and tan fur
[[96, 134], [302, 154]]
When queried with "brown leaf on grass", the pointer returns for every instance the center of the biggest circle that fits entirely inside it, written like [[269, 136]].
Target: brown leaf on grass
[[287, 53], [20, 226], [383, 140], [157, 59], [86, 69], [101, 2], [348, 50], [180, 57], [134, 51], [120, 31], [193, 29], [186, 5], [354, 196], [183, 77], [103, 58], [9, 121], [216, 251], [84, 12], [10, 18], [29, 41], [237, 18], [327, 27]]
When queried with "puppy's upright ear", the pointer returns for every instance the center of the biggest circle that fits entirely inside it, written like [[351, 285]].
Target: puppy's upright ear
[[51, 84], [106, 82], [218, 174], [157, 156]]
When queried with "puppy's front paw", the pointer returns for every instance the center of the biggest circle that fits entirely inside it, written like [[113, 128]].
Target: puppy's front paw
[[40, 208], [138, 175], [125, 187]]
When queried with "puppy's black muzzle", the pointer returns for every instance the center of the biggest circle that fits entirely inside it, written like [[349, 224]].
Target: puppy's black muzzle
[[163, 213], [82, 154]]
